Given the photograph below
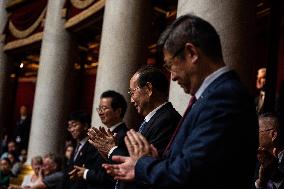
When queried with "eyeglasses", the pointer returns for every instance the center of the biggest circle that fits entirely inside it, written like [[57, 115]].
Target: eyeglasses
[[102, 108], [131, 91], [168, 64], [265, 130]]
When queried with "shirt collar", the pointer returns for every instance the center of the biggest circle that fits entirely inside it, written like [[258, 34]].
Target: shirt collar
[[83, 141], [150, 115], [280, 155], [209, 79], [114, 126]]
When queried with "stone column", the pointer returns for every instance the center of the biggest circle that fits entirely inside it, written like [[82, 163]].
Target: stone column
[[4, 69], [53, 85], [234, 21], [122, 50]]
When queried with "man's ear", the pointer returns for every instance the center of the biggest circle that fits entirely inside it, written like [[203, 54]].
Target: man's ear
[[191, 51], [118, 111], [149, 88], [274, 135]]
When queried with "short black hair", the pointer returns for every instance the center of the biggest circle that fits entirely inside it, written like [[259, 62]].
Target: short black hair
[[118, 101], [81, 116], [191, 29], [154, 76]]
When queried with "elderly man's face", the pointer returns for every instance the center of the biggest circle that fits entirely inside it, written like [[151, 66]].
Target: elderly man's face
[[266, 134], [139, 97], [183, 71]]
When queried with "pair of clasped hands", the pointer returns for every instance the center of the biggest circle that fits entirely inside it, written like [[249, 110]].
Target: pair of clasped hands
[[137, 146]]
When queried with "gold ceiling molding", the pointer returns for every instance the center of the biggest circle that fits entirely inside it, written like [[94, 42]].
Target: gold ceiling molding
[[81, 4], [24, 33], [22, 42], [85, 14], [12, 3]]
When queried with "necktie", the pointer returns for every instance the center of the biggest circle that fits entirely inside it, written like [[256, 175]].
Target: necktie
[[190, 104], [142, 126], [140, 130], [76, 151]]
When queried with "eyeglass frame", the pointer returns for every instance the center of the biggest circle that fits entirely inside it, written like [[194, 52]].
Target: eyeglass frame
[[265, 130], [168, 64], [131, 91], [102, 108]]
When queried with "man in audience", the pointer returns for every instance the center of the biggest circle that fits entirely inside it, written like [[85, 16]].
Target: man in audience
[[260, 84], [149, 93], [270, 154], [111, 110], [212, 136], [51, 175], [5, 173]]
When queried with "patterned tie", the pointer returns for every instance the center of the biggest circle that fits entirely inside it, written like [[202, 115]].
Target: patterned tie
[[142, 126], [190, 104]]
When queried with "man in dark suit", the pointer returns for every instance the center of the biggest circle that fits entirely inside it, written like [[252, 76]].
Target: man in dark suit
[[216, 142], [111, 110], [22, 131], [149, 94], [270, 153], [85, 155]]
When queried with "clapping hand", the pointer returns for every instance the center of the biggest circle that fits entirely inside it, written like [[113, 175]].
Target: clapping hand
[[137, 147], [103, 140]]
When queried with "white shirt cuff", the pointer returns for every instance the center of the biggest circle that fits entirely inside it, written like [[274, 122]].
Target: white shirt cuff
[[85, 174], [111, 150]]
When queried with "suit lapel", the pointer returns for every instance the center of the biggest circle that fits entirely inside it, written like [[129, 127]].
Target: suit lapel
[[148, 125]]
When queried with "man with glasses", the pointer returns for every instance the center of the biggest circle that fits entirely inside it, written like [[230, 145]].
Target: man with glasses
[[149, 93], [216, 142], [270, 153], [111, 111]]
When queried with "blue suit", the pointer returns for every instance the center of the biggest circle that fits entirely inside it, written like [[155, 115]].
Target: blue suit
[[215, 146]]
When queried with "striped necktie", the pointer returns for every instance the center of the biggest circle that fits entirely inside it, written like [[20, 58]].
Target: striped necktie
[[142, 126]]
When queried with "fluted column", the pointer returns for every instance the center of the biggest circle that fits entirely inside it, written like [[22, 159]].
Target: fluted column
[[234, 21], [53, 85], [122, 50], [4, 69]]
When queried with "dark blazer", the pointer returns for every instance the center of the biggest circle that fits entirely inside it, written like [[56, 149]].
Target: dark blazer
[[215, 146], [91, 159], [22, 132], [158, 131], [97, 176]]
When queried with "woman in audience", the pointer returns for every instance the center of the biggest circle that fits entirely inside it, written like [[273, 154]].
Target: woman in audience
[[32, 179]]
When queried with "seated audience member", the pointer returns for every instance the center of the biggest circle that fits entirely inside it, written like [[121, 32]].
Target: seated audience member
[[68, 152], [5, 173], [32, 179], [51, 175], [270, 154], [11, 148], [23, 156], [16, 165]]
